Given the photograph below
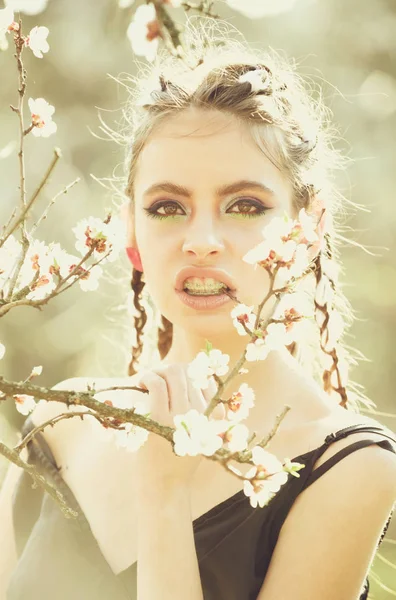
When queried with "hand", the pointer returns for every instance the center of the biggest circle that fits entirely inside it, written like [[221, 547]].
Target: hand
[[171, 393]]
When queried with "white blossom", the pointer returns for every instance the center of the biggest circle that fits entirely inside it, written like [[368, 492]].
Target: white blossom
[[296, 267], [109, 235], [308, 226], [36, 261], [2, 350], [195, 434], [42, 113], [29, 7], [257, 350], [132, 438], [6, 20], [237, 438], [256, 79], [205, 365], [37, 41], [324, 293], [90, 282], [240, 403], [276, 336], [143, 32], [256, 9], [36, 371], [244, 313], [24, 403], [264, 490], [298, 306], [125, 3]]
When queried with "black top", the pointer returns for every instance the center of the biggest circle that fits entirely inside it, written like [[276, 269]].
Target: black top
[[60, 559]]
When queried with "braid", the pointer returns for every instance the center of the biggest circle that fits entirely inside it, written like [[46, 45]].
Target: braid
[[165, 331], [165, 337], [325, 285], [137, 286]]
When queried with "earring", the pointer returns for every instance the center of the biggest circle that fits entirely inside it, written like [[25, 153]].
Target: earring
[[134, 257]]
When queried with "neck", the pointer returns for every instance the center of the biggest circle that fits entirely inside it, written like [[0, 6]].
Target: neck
[[277, 381]]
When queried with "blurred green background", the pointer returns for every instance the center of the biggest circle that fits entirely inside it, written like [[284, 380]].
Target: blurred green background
[[347, 47]]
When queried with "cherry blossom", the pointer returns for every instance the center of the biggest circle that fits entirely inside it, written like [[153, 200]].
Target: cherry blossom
[[7, 24], [144, 32], [240, 403], [194, 434], [243, 314], [260, 492], [24, 403], [205, 365], [257, 79], [284, 250], [132, 438], [294, 308], [36, 371], [2, 350], [36, 262], [42, 113], [256, 9], [37, 41], [29, 7], [257, 350], [236, 438], [324, 293], [94, 232]]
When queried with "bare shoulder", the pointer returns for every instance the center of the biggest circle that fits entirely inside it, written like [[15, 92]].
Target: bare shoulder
[[66, 434], [345, 419]]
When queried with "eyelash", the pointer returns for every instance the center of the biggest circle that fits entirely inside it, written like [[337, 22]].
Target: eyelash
[[152, 214]]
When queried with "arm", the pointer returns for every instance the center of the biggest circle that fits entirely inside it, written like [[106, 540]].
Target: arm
[[329, 539], [167, 565], [8, 554]]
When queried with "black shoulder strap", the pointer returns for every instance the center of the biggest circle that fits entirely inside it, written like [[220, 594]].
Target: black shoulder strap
[[324, 467], [343, 433]]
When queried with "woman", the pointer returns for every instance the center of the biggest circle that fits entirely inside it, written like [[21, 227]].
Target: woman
[[216, 152]]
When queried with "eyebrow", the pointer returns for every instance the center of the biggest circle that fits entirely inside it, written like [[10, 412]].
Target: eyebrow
[[231, 188]]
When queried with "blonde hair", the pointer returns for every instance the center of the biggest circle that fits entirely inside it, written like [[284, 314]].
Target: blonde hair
[[292, 129]]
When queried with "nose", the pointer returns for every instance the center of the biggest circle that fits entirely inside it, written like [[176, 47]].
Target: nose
[[203, 240]]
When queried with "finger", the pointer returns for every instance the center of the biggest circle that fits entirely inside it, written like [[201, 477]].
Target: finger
[[158, 399], [177, 389], [196, 397]]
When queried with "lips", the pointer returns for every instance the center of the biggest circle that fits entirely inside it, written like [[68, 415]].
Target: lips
[[218, 274]]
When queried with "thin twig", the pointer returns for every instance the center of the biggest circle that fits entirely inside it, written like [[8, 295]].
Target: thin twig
[[53, 200], [21, 217], [38, 479]]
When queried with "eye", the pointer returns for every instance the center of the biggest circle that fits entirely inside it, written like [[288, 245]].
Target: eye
[[171, 207], [152, 211], [247, 205]]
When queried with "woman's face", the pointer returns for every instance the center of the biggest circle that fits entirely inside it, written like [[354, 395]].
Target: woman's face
[[204, 225]]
